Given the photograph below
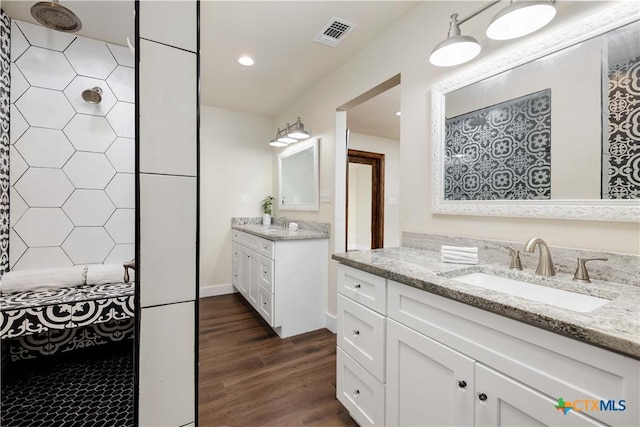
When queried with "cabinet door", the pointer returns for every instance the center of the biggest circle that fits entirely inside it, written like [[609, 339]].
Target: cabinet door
[[502, 401], [428, 384]]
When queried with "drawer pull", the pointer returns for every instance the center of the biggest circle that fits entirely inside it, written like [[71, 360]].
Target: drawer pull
[[356, 392], [462, 384], [482, 397], [356, 332], [357, 286]]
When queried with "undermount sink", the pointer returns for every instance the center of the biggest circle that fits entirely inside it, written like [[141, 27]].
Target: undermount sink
[[557, 297]]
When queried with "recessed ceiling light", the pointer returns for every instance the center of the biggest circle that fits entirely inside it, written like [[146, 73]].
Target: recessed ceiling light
[[247, 61], [398, 113]]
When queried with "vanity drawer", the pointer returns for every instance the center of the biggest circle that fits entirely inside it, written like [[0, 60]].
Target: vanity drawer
[[265, 305], [265, 247], [359, 391], [366, 288], [362, 335], [265, 273], [258, 244]]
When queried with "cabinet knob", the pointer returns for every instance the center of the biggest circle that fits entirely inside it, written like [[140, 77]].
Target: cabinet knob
[[356, 332], [462, 384], [357, 286], [482, 397], [356, 392]]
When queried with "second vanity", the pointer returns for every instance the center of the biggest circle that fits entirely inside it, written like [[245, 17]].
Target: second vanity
[[282, 274], [418, 347]]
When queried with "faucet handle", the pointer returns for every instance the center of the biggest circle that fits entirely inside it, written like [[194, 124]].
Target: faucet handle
[[515, 263], [581, 274]]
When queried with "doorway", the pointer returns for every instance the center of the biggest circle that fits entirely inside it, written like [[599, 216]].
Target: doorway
[[365, 200]]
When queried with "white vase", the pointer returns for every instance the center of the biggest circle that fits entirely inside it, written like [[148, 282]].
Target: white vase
[[266, 219]]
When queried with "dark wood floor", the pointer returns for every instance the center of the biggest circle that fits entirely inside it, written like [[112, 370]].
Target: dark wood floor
[[251, 377]]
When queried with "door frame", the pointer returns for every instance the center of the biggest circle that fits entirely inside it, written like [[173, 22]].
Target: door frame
[[376, 161]]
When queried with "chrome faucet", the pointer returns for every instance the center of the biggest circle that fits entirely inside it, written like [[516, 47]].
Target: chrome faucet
[[285, 221], [545, 263]]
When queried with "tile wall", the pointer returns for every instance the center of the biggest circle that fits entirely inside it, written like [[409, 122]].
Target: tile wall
[[5, 88], [72, 164], [168, 212]]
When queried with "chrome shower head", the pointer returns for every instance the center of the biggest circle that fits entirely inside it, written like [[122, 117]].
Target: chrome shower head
[[93, 95], [53, 15]]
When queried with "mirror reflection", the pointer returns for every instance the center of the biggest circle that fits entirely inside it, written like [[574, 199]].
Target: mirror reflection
[[298, 177], [68, 206], [536, 132]]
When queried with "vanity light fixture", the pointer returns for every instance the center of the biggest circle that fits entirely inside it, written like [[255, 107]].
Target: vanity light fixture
[[285, 136], [516, 20], [297, 131], [277, 143], [520, 18], [290, 134], [456, 49]]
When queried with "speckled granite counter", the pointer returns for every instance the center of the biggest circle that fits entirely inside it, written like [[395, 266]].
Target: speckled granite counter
[[275, 232], [614, 326]]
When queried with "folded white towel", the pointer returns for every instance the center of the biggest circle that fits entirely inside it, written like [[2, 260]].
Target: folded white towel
[[40, 279], [459, 254], [99, 274], [472, 250], [458, 260]]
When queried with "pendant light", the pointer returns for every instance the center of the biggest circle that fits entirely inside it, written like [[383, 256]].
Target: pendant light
[[297, 131], [456, 49], [275, 142], [520, 18]]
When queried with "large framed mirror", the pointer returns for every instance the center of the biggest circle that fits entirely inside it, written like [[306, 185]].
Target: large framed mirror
[[549, 130], [298, 177]]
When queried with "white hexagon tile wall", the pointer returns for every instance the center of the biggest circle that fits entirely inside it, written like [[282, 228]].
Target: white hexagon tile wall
[[71, 163]]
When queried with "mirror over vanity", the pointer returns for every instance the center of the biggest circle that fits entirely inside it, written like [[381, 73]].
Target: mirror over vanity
[[298, 177], [550, 130]]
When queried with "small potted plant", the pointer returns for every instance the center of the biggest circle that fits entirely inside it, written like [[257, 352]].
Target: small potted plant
[[266, 208]]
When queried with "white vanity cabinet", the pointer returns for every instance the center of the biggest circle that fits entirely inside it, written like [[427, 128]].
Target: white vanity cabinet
[[451, 364], [285, 281]]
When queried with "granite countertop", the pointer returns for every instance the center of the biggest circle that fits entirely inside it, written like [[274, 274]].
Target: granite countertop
[[276, 232], [614, 326]]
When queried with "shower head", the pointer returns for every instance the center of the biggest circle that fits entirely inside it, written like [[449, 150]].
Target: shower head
[[53, 15], [93, 95]]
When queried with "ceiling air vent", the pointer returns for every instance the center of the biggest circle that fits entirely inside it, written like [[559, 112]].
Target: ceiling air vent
[[334, 32]]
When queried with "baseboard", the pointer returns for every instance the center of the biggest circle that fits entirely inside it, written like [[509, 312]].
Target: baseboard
[[331, 322], [215, 290]]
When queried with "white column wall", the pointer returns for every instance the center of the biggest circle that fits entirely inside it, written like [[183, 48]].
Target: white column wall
[[168, 212]]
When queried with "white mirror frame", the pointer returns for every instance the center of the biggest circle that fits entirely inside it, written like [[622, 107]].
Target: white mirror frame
[[298, 147], [604, 210]]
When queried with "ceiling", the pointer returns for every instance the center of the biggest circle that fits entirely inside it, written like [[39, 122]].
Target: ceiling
[[279, 36]]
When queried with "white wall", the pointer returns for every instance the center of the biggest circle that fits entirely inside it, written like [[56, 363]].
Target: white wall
[[383, 59], [71, 162], [236, 161], [391, 151]]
